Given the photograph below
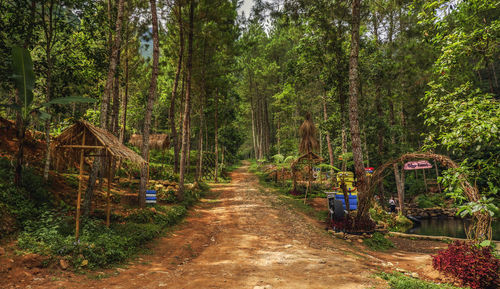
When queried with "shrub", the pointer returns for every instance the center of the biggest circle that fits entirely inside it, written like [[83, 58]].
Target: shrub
[[378, 242], [393, 222], [474, 266]]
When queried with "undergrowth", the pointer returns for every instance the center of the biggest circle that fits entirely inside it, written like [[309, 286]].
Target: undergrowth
[[400, 281], [378, 242], [47, 228]]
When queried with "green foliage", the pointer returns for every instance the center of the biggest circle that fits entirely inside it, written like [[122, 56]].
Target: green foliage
[[430, 201], [378, 242], [393, 222], [24, 78], [98, 245], [400, 281], [27, 201], [483, 205]]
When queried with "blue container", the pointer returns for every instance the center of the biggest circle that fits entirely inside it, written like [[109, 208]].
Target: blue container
[[353, 200], [150, 197]]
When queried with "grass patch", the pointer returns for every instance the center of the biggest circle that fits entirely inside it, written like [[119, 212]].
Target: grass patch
[[378, 242], [400, 281]]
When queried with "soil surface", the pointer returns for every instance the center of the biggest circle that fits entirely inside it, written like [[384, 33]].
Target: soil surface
[[240, 236]]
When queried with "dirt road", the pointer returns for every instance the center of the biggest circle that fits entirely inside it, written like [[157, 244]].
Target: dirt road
[[240, 237]]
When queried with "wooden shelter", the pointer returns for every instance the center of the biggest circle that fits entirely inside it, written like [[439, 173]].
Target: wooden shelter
[[84, 139], [309, 158], [156, 141]]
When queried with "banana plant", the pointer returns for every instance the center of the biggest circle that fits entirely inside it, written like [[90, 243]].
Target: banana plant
[[24, 80]]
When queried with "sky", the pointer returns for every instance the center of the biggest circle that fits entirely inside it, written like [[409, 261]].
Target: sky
[[246, 7]]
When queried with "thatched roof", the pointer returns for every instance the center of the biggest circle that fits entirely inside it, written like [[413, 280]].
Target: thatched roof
[[68, 144], [156, 141]]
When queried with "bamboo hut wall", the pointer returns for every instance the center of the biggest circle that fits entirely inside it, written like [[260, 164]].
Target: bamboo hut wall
[[156, 141]]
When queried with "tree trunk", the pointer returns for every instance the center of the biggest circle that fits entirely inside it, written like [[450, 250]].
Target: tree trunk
[[357, 151], [21, 133], [116, 97], [187, 105], [397, 175], [175, 138], [89, 193], [124, 102], [216, 139], [149, 107], [328, 141], [199, 173], [49, 38]]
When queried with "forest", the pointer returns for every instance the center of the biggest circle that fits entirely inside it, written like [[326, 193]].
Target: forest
[[103, 102]]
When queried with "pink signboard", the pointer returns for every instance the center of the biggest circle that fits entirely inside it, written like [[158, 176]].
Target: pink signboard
[[417, 165]]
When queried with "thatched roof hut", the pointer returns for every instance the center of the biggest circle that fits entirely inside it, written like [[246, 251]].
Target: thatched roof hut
[[65, 147], [156, 141]]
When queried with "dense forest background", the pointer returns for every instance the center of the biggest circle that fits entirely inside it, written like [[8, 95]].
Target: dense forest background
[[240, 85]]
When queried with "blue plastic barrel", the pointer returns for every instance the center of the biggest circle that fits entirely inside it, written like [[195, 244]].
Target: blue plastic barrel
[[150, 197], [353, 200]]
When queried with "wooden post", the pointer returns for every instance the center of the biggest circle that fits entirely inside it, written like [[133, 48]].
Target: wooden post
[[108, 205], [309, 177], [80, 187], [437, 176], [425, 181]]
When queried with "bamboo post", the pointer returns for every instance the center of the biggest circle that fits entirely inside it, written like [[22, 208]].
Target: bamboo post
[[437, 176], [108, 197], [80, 186]]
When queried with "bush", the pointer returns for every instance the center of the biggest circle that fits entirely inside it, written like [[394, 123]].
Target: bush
[[474, 266], [378, 242], [392, 222]]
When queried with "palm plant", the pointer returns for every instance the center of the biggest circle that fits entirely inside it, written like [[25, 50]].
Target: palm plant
[[24, 81]]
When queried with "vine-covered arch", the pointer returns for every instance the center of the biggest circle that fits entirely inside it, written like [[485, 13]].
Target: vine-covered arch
[[481, 223]]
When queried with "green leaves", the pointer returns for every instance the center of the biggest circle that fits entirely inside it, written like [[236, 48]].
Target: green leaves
[[68, 100], [24, 77]]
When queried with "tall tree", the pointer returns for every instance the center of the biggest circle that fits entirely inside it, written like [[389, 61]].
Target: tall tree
[[103, 118], [187, 105], [171, 114], [149, 106], [357, 151]]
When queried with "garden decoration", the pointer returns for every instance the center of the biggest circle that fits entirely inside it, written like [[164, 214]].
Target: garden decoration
[[308, 144]]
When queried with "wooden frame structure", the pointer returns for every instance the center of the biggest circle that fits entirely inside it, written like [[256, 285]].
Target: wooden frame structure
[[72, 144], [311, 159]]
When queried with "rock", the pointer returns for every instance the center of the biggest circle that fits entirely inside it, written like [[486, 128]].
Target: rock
[[64, 264], [414, 275], [288, 246], [360, 240], [2, 251]]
